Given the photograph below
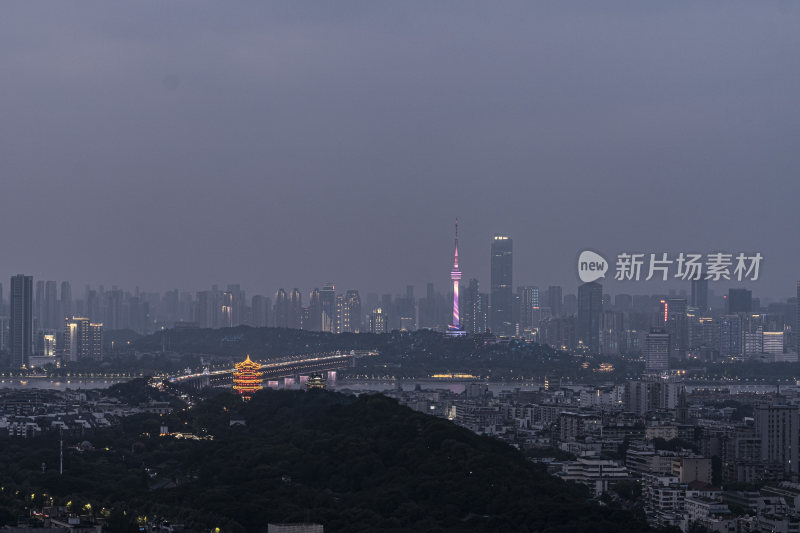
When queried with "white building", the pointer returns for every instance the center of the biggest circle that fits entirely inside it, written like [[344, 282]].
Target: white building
[[594, 473]]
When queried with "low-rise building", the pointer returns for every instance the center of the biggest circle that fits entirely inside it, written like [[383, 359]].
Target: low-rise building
[[594, 473]]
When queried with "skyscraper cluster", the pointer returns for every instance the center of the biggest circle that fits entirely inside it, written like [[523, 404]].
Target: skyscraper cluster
[[44, 318], [702, 325], [40, 327]]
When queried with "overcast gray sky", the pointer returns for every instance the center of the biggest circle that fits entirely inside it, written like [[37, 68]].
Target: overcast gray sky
[[179, 144]]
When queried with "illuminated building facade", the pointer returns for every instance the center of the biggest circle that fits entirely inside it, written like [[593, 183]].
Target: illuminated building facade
[[83, 339], [377, 321], [49, 345], [247, 378], [528, 307], [226, 310], [349, 312], [657, 350]]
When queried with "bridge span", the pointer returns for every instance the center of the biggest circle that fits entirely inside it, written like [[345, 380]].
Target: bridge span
[[275, 369]]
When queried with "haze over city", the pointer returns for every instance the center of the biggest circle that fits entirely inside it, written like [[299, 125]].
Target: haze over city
[[399, 266], [183, 144]]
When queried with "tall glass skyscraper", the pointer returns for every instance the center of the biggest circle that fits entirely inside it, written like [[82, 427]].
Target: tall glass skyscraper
[[700, 295], [590, 304], [21, 319], [501, 300], [327, 299]]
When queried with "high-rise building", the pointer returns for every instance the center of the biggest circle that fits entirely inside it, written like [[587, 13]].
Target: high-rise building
[[281, 311], [226, 310], [50, 315], [730, 336], [554, 300], [113, 316], [570, 305], [203, 312], [83, 339], [49, 345], [295, 310], [752, 335], [94, 308], [455, 328], [136, 314], [65, 304], [390, 314], [340, 312], [623, 303], [779, 429], [377, 321], [704, 335], [327, 298], [350, 319], [700, 295], [657, 350], [772, 342], [427, 311], [314, 311], [502, 298], [611, 332], [38, 306], [20, 323], [558, 332], [590, 298], [260, 311], [677, 324], [237, 303], [528, 305], [739, 301], [405, 313], [473, 309], [167, 310], [3, 333]]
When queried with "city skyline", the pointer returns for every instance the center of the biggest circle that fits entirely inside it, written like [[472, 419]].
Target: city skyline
[[610, 285]]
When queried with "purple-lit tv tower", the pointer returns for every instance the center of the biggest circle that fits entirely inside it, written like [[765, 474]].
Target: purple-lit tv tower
[[455, 329]]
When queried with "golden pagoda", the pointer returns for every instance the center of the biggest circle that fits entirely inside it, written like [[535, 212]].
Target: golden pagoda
[[247, 378], [316, 381]]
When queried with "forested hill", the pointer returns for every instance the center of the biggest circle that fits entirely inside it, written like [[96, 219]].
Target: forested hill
[[408, 354], [354, 465], [259, 342]]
